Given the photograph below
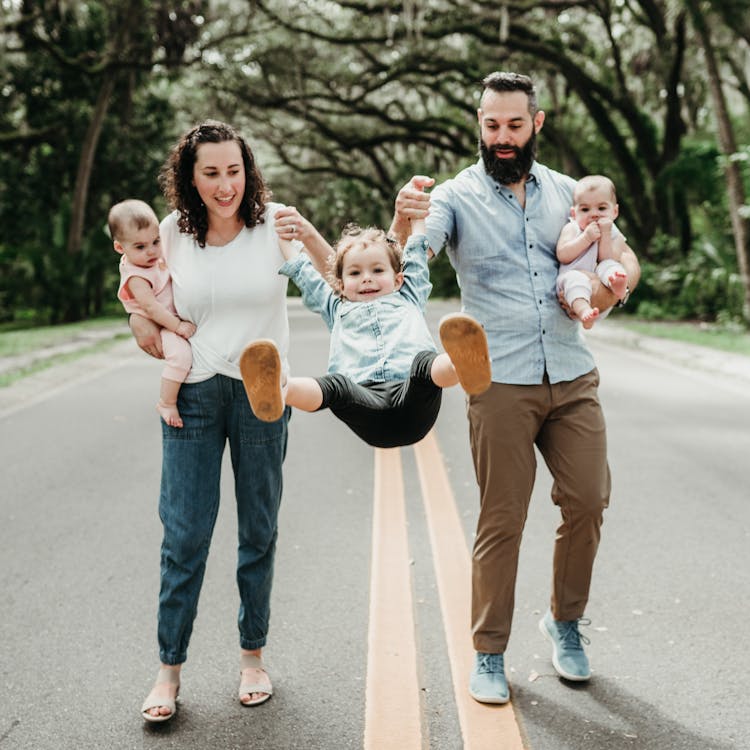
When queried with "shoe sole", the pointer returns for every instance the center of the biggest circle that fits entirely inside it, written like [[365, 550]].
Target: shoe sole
[[484, 699], [260, 367], [560, 671], [465, 342]]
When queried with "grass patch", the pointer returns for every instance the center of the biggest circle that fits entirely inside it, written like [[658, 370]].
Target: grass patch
[[723, 338], [20, 341], [11, 376]]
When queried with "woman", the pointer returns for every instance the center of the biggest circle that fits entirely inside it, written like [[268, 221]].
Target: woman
[[221, 246]]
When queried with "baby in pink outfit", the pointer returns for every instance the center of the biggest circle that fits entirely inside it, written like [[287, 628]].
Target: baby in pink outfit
[[146, 289]]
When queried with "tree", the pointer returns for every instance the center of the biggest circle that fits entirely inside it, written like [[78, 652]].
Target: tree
[[69, 63], [700, 14], [370, 93]]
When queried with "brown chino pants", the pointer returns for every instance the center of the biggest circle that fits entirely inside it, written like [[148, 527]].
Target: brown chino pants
[[566, 423]]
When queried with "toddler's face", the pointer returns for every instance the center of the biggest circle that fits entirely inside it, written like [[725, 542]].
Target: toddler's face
[[367, 273], [594, 205], [142, 247]]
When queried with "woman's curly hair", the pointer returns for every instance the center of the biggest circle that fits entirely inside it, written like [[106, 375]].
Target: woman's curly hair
[[176, 180], [353, 236]]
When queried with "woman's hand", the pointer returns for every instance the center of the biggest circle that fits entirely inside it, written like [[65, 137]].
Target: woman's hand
[[147, 335], [290, 224]]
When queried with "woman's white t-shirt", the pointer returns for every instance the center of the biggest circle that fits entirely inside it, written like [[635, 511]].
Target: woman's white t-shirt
[[233, 294]]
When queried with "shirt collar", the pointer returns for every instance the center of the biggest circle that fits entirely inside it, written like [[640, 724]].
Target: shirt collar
[[532, 176]]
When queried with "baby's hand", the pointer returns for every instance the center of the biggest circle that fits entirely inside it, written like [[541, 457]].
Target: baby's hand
[[185, 329], [592, 232], [605, 225]]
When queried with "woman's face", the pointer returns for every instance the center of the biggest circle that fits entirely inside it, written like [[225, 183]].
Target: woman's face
[[219, 178]]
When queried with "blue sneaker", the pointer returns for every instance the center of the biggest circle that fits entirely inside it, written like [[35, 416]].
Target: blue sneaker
[[487, 683], [568, 656]]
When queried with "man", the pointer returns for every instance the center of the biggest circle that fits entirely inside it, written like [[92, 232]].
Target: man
[[499, 220]]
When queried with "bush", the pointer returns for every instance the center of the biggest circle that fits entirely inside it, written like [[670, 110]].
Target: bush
[[705, 285]]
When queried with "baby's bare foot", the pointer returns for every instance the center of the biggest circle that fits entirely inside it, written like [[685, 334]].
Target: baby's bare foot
[[169, 414], [588, 318], [618, 284]]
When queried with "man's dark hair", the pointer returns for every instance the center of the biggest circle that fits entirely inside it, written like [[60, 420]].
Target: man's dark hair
[[502, 81]]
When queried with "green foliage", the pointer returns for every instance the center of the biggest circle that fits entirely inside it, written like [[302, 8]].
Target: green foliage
[[52, 88], [443, 278], [342, 103], [704, 286]]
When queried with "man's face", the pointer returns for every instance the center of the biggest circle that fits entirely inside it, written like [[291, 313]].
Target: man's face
[[507, 140]]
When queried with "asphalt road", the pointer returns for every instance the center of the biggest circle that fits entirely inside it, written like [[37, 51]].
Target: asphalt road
[[79, 547]]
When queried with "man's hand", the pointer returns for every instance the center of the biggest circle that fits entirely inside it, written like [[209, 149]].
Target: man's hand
[[147, 335], [411, 203], [601, 297]]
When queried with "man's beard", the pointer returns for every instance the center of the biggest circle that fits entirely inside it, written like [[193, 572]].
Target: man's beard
[[510, 170]]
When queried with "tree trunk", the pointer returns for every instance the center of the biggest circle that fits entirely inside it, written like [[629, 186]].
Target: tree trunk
[[86, 164], [728, 146]]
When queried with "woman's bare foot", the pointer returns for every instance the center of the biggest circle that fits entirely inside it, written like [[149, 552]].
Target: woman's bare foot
[[169, 413], [255, 684], [161, 702]]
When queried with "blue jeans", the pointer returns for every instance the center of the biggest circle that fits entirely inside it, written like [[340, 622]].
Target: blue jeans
[[213, 411]]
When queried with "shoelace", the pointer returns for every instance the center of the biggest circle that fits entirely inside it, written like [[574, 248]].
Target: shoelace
[[490, 663], [570, 636]]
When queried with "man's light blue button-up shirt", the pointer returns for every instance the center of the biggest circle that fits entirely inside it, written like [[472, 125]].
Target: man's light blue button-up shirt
[[372, 341], [505, 262]]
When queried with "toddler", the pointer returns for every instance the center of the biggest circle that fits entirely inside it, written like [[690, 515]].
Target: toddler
[[385, 377]]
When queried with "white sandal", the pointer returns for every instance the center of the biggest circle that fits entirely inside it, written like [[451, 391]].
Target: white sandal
[[250, 661], [168, 677]]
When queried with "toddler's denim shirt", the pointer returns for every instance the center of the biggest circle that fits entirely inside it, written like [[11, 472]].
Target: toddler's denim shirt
[[371, 341]]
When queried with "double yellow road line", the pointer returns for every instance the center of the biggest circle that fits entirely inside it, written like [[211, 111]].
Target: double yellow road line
[[393, 716]]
